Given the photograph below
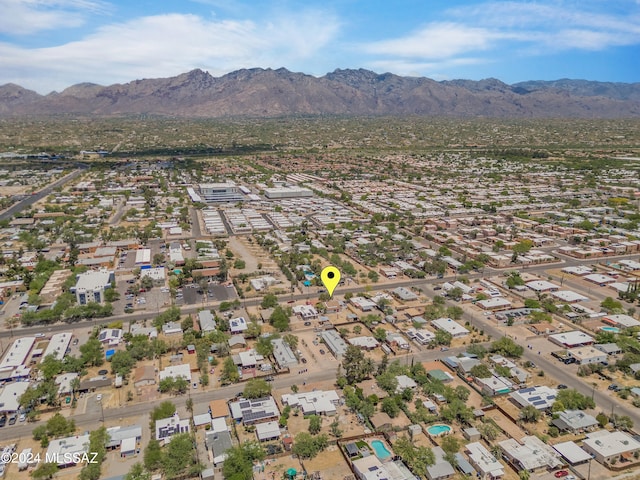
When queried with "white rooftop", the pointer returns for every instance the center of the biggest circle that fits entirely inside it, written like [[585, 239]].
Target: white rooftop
[[175, 371], [569, 296], [541, 397], [608, 443], [17, 352]]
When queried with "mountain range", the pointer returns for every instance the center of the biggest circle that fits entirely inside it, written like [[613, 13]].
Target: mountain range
[[261, 92]]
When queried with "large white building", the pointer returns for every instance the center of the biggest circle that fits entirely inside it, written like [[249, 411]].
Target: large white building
[[57, 345], [289, 191], [220, 192], [451, 326], [90, 286]]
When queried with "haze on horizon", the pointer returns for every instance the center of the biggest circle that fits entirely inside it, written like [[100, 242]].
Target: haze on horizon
[[48, 45]]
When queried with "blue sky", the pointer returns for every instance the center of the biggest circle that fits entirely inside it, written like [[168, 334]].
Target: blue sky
[[49, 45]]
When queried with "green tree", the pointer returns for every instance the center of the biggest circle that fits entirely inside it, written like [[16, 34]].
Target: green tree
[[229, 372], [390, 407], [356, 366], [257, 388], [153, 455], [137, 472], [574, 400], [291, 340], [269, 301], [611, 305], [239, 462], [507, 347], [529, 414], [307, 446], [122, 363], [442, 337], [92, 353], [264, 346], [178, 455], [165, 410], [45, 470], [279, 319], [315, 424]]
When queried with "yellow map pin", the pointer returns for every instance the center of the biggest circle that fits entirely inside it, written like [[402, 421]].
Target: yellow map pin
[[330, 277]]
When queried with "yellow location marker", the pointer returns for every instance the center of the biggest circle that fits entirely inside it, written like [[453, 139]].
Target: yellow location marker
[[330, 277]]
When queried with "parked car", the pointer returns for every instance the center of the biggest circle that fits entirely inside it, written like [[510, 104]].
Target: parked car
[[99, 397], [39, 335], [13, 419], [562, 386], [561, 473], [614, 386], [23, 417], [307, 324], [3, 421], [322, 352]]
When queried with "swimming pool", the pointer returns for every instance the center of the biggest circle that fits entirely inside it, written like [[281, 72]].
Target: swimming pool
[[439, 429], [610, 329], [380, 449]]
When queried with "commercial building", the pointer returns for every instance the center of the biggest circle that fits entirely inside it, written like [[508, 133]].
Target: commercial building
[[334, 343], [283, 354], [451, 326], [571, 339], [220, 192], [289, 191], [587, 355], [90, 286], [17, 353], [58, 345], [9, 396]]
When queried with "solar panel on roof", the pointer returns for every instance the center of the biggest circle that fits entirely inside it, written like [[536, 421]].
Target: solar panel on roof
[[539, 402], [245, 404], [537, 397], [527, 390]]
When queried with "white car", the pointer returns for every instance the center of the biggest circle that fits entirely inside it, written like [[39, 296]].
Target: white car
[[39, 335], [99, 397], [23, 417]]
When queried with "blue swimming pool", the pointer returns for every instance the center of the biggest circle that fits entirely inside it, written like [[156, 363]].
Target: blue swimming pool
[[437, 430], [380, 449], [610, 329]]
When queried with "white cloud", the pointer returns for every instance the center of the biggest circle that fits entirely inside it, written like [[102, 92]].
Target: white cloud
[[495, 28], [26, 17], [435, 41], [165, 45]]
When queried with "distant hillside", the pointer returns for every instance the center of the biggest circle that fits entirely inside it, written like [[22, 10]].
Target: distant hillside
[[268, 93]]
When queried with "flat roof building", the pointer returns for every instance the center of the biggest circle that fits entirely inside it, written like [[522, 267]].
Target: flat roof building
[[58, 345], [90, 286], [484, 462], [17, 353], [313, 403], [207, 321], [571, 339], [68, 449], [451, 326], [529, 454], [542, 397], [220, 192], [608, 447], [334, 342], [255, 410]]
